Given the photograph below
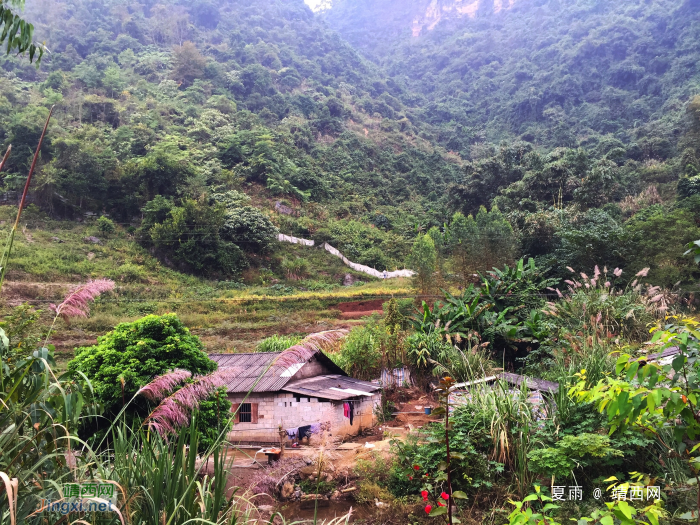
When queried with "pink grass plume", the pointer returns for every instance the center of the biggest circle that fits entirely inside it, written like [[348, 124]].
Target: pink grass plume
[[309, 346], [175, 411], [643, 272], [617, 272], [77, 302], [163, 385]]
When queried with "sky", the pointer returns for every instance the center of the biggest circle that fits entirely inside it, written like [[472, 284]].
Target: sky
[[313, 4]]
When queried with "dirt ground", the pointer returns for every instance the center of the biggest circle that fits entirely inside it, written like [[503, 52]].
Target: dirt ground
[[344, 456], [358, 309]]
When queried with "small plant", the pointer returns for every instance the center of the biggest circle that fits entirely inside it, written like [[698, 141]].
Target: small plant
[[296, 269], [385, 410], [106, 225]]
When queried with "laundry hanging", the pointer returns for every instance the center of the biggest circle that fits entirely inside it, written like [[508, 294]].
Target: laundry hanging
[[352, 412], [346, 409], [304, 431]]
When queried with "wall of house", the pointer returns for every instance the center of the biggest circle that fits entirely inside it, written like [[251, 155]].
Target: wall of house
[[280, 408]]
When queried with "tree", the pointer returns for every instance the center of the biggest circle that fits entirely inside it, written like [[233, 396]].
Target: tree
[[423, 259], [189, 63], [131, 355], [463, 231], [481, 243], [190, 237], [249, 228], [593, 239], [18, 33]]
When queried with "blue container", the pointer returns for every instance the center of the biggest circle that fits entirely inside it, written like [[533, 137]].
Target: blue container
[[428, 410]]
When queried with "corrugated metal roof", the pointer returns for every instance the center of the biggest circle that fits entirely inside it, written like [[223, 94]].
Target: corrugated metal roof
[[259, 373], [514, 379], [331, 386], [532, 383]]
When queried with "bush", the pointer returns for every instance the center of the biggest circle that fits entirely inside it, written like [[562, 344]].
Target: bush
[[277, 343], [131, 355], [214, 417], [248, 228], [106, 225], [469, 471], [129, 273], [361, 356], [296, 269]]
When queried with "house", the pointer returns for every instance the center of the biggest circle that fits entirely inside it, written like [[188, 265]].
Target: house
[[540, 391], [270, 394]]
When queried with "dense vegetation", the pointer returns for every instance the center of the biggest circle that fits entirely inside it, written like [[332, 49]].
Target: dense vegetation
[[537, 165]]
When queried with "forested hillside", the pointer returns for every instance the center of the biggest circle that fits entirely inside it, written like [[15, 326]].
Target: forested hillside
[[577, 119], [176, 114], [204, 129]]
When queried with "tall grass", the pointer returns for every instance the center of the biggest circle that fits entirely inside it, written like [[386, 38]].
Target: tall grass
[[277, 343], [509, 417], [621, 311]]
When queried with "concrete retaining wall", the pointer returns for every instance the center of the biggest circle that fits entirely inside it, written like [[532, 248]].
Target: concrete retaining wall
[[357, 267]]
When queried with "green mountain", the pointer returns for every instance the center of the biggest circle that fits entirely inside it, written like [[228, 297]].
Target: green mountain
[[164, 110], [204, 129], [549, 72]]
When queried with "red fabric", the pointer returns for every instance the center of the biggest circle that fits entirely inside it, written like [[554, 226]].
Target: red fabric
[[346, 409]]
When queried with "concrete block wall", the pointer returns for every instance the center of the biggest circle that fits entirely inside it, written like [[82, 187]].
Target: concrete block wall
[[283, 409]]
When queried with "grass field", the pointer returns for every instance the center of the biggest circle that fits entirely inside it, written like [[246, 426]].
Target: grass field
[[51, 256]]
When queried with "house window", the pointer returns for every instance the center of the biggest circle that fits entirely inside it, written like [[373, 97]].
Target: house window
[[245, 413]]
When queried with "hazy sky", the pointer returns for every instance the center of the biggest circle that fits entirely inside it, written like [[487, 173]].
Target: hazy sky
[[313, 4]]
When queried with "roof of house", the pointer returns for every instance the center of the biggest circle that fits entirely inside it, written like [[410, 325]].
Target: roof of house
[[265, 372], [669, 352], [332, 386], [539, 385]]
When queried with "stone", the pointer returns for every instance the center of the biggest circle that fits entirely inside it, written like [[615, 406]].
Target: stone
[[90, 256], [349, 280], [336, 495], [282, 208], [287, 490], [92, 239], [298, 494], [266, 508], [308, 472], [56, 239]]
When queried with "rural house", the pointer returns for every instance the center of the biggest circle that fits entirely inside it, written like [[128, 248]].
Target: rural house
[[298, 397]]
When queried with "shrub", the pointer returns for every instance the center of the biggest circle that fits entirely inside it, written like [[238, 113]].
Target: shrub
[[470, 470], [277, 343], [361, 356], [129, 273], [214, 416], [296, 269], [106, 225], [128, 357]]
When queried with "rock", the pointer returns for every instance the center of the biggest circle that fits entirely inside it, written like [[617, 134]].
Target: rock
[[308, 472], [266, 508], [297, 494], [287, 490], [349, 280], [56, 239], [327, 476], [92, 239], [90, 256], [281, 208], [336, 495]]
